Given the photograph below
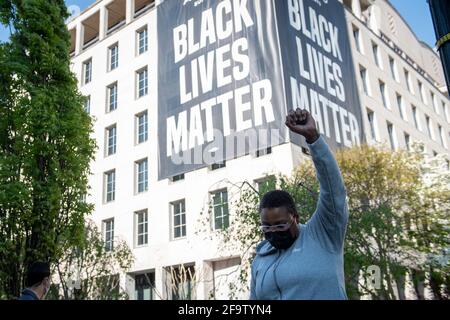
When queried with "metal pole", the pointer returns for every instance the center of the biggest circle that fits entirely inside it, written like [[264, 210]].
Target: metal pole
[[440, 12]]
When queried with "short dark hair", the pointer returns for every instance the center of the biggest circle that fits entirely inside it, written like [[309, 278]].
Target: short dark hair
[[37, 271], [277, 199]]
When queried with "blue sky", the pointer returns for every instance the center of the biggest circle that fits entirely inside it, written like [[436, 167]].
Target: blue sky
[[417, 15], [415, 12]]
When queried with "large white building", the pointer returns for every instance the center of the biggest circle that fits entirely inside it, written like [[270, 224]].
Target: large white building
[[114, 55]]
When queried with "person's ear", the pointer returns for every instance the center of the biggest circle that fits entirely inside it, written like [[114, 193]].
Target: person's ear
[[46, 282]]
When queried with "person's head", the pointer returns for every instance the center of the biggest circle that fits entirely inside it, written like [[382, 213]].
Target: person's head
[[279, 218], [38, 278]]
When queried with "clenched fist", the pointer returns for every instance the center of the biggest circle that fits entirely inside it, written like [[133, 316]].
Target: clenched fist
[[301, 122]]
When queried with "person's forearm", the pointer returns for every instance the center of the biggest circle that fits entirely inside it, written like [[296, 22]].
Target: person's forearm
[[329, 221], [328, 172]]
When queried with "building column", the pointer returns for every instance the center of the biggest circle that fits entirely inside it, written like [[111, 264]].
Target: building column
[[103, 22], [205, 280], [161, 283], [79, 37], [129, 11], [126, 283], [356, 8], [375, 18]]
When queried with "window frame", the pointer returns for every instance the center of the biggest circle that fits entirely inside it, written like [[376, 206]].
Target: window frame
[[86, 63], [108, 244], [112, 66], [106, 184], [108, 139], [145, 233], [144, 30], [222, 204], [138, 127], [138, 183], [144, 71], [182, 225]]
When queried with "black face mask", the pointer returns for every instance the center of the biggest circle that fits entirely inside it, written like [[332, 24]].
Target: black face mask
[[280, 239]]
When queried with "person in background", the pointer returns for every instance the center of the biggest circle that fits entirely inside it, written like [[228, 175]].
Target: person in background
[[38, 281]]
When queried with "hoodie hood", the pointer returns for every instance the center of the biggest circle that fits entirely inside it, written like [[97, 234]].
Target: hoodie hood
[[264, 248]]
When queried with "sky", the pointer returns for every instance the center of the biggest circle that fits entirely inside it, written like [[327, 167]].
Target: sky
[[415, 12]]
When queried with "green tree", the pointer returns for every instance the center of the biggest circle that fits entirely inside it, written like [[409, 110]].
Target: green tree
[[89, 271], [429, 225], [45, 144], [399, 220]]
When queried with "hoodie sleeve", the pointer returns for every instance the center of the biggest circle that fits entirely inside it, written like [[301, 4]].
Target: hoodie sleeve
[[329, 221]]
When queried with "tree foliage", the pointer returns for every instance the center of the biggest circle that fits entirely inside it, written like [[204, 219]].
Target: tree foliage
[[89, 271], [45, 144]]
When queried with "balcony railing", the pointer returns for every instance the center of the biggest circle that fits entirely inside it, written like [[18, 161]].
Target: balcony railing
[[115, 27], [144, 9], [90, 42]]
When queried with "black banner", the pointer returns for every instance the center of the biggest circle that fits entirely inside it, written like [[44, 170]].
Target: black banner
[[226, 69], [318, 68], [220, 82]]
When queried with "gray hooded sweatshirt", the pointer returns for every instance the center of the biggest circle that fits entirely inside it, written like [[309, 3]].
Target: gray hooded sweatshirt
[[312, 267]]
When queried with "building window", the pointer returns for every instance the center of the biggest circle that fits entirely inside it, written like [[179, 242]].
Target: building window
[[435, 103], [371, 119], [376, 54], [393, 68], [108, 234], [87, 104], [142, 40], [113, 57], [177, 177], [263, 152], [112, 97], [178, 219], [110, 186], [144, 286], [182, 282], [218, 165], [429, 127], [357, 37], [422, 93], [401, 106], [391, 133], [409, 82], [142, 175], [142, 82], [220, 209], [365, 80], [142, 127], [111, 140], [415, 117], [266, 184], [442, 136], [141, 228], [87, 71], [407, 142], [445, 111], [384, 95]]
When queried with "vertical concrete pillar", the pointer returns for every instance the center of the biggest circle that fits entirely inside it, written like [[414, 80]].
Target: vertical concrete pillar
[[103, 23], [129, 11], [79, 38]]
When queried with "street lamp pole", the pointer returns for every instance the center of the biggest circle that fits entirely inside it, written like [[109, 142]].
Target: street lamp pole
[[440, 12]]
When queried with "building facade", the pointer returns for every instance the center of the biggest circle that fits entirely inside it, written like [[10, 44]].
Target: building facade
[[114, 56]]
